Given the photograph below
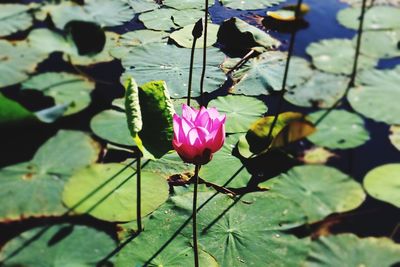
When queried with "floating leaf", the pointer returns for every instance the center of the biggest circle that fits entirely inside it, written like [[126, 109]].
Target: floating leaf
[[321, 90], [259, 139], [188, 4], [140, 6], [108, 192], [380, 44], [376, 18], [383, 183], [247, 231], [373, 97], [184, 37], [319, 190], [225, 169], [348, 249], [14, 18], [168, 165], [337, 56], [374, 2], [338, 129], [317, 155], [36, 185], [171, 64], [65, 88], [239, 117], [238, 34], [111, 126], [57, 246], [288, 13], [395, 136], [250, 4], [13, 114], [263, 74]]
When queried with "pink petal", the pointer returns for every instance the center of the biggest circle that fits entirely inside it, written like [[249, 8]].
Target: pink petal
[[202, 119], [198, 136], [176, 124], [213, 112], [218, 139], [188, 112]]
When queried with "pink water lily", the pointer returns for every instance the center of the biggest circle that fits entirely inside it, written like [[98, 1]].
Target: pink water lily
[[198, 134]]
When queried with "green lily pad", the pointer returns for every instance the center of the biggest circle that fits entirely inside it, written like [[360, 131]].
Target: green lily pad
[[108, 192], [316, 155], [321, 90], [36, 186], [358, 3], [339, 129], [168, 165], [373, 97], [376, 18], [350, 250], [169, 19], [57, 246], [111, 126], [65, 88], [319, 190], [171, 64], [225, 167], [250, 4], [239, 117], [263, 74], [248, 232], [140, 6], [395, 136], [130, 40], [184, 37], [337, 56], [47, 41], [188, 4], [383, 183], [14, 18], [14, 114], [380, 44]]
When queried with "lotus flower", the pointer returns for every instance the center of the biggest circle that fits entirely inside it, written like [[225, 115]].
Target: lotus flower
[[198, 134]]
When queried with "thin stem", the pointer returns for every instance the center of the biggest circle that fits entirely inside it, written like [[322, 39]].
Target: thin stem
[[194, 216], [241, 62], [138, 194], [203, 73], [189, 94]]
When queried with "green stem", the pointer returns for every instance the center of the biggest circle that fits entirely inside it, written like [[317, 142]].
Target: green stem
[[138, 193], [194, 216], [203, 73], [189, 95]]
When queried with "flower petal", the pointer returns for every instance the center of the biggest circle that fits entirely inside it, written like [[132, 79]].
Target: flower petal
[[188, 112]]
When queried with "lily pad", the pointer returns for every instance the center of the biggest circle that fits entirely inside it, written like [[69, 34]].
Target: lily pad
[[14, 18], [317, 155], [337, 56], [239, 117], [250, 4], [36, 186], [184, 37], [57, 246], [168, 165], [348, 249], [14, 114], [395, 136], [380, 44], [339, 129], [374, 93], [65, 88], [383, 183], [261, 75], [248, 231], [319, 190], [171, 64], [111, 126], [108, 192], [321, 90], [169, 19], [140, 6], [357, 3], [188, 4], [225, 169], [376, 18]]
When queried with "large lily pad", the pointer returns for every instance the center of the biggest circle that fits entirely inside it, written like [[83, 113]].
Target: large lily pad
[[337, 56], [380, 44], [374, 94], [250, 4], [184, 37], [383, 183], [14, 18], [188, 4], [108, 192], [36, 186], [57, 246], [65, 88], [225, 169], [358, 3], [321, 90], [168, 165], [339, 129], [171, 64], [140, 6], [111, 126], [348, 250], [376, 18], [247, 232], [394, 136], [239, 117], [319, 190], [261, 75]]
